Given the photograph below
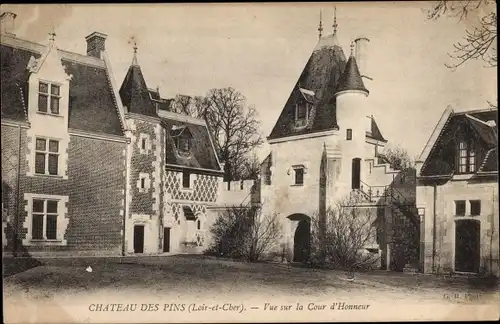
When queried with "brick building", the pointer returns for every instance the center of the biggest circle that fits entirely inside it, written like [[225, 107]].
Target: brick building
[[60, 193], [173, 172]]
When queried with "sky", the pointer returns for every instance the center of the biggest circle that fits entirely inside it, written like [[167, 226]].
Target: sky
[[261, 49]]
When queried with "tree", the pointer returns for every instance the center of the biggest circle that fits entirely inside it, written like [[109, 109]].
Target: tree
[[342, 240], [183, 104], [242, 232], [234, 126], [250, 168], [479, 42], [398, 158]]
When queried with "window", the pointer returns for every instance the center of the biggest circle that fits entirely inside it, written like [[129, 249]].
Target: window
[[475, 207], [459, 207], [48, 97], [143, 183], [46, 156], [44, 219], [188, 213], [299, 175], [183, 143], [143, 144], [186, 177], [466, 157], [302, 112], [348, 135], [198, 224]]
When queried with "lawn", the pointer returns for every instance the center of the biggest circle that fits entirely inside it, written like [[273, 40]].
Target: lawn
[[65, 283]]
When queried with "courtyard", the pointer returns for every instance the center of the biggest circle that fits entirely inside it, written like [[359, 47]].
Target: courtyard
[[188, 287]]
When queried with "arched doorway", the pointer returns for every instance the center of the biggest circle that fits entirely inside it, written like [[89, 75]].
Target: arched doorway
[[301, 237]]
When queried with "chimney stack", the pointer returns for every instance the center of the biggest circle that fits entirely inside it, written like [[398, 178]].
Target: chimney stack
[[7, 21], [95, 44], [362, 56]]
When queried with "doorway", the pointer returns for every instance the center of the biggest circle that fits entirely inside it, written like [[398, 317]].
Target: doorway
[[302, 241], [356, 173], [166, 239], [467, 245], [139, 239]]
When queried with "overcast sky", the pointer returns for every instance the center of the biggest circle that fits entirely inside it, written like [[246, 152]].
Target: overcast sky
[[261, 49]]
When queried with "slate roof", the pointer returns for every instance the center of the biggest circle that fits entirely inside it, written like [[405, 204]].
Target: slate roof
[[91, 99], [490, 163], [325, 74], [351, 78], [202, 154], [441, 159], [375, 131], [320, 75], [135, 94]]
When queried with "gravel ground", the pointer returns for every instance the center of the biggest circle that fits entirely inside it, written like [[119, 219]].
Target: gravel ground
[[61, 290]]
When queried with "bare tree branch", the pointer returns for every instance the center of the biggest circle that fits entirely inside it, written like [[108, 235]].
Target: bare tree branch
[[479, 42]]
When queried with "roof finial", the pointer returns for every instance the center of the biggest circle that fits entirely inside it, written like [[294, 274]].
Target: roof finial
[[352, 49], [134, 59], [335, 20], [320, 27], [52, 35]]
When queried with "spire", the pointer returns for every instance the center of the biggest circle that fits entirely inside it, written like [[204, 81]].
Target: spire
[[320, 27], [335, 25]]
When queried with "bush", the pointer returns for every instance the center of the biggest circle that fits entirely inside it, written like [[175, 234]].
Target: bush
[[244, 233], [341, 238]]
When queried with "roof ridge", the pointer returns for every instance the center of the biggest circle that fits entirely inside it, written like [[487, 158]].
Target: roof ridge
[[8, 40]]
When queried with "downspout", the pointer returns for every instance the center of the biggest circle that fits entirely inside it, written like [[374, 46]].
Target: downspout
[[16, 221], [434, 216]]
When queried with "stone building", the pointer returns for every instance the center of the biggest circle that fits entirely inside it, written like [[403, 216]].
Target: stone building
[[325, 146], [173, 172], [457, 194], [60, 193]]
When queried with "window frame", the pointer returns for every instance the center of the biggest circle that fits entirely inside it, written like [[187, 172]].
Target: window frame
[[45, 215], [47, 153], [304, 120], [186, 176], [49, 97], [466, 156], [299, 172], [478, 207], [457, 202], [348, 135]]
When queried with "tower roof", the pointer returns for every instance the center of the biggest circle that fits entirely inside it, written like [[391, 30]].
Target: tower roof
[[319, 76], [351, 78], [135, 93]]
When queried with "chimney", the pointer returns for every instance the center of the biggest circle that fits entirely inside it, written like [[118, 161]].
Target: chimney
[[95, 44], [362, 55], [7, 20]]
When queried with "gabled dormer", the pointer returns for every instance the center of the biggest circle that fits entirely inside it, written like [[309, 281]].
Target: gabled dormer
[[182, 137], [48, 113], [463, 146], [48, 88], [304, 108]]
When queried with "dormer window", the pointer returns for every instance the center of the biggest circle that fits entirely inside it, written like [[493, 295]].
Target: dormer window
[[183, 143], [466, 156], [302, 113], [182, 139], [49, 95]]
